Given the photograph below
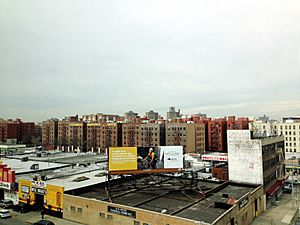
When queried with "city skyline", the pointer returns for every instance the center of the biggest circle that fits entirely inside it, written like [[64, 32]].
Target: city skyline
[[233, 58]]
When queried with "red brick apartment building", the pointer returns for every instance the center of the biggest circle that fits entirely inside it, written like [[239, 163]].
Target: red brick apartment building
[[216, 130], [23, 132]]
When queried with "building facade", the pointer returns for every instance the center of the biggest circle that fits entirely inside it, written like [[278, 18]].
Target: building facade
[[50, 133], [63, 130], [290, 129], [257, 161], [173, 113], [217, 129], [151, 134], [76, 135], [152, 115], [130, 134], [190, 135], [17, 130]]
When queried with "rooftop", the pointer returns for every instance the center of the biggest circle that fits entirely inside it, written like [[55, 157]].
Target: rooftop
[[21, 167], [173, 195]]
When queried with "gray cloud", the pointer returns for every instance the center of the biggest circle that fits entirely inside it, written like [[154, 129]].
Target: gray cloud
[[65, 57]]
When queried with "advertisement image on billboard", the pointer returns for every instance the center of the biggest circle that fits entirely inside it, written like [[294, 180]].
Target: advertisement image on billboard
[[124, 160]]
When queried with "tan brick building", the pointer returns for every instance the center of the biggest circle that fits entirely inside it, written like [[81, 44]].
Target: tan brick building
[[190, 136], [102, 135], [50, 133], [63, 129], [130, 134], [151, 134], [76, 135]]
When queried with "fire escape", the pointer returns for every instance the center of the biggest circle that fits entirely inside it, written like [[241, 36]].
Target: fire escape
[[108, 137], [148, 138], [131, 136], [176, 138]]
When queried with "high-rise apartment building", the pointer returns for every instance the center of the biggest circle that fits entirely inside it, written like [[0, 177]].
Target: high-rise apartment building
[[130, 114], [130, 134], [17, 130], [100, 118], [217, 129], [172, 113], [76, 135], [151, 134], [63, 130], [190, 135], [152, 115], [237, 124], [290, 129], [50, 133]]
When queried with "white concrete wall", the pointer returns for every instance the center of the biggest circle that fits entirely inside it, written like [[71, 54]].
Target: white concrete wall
[[244, 157]]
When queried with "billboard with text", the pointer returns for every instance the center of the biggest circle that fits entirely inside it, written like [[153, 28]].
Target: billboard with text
[[124, 160]]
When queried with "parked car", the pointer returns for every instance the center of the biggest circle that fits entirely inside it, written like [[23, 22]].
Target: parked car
[[43, 222], [4, 213], [287, 188], [22, 208], [6, 203]]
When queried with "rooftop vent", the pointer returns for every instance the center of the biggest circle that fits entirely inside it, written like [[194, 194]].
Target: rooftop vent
[[24, 159], [79, 179]]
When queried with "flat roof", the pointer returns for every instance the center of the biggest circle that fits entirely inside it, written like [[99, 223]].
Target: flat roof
[[65, 157], [92, 178], [24, 167], [194, 199], [64, 177]]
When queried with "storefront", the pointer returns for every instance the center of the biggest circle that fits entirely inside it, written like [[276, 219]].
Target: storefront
[[41, 195], [7, 181]]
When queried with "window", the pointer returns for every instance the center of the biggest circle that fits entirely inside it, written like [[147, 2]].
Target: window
[[79, 210], [102, 214], [25, 189], [73, 208]]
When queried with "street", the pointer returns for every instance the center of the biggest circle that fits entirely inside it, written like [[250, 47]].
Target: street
[[12, 221]]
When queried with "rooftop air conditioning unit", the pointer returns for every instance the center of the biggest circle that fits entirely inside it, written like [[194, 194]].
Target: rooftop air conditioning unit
[[34, 166], [24, 159]]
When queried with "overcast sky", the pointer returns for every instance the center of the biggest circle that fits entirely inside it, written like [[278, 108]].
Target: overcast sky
[[60, 57]]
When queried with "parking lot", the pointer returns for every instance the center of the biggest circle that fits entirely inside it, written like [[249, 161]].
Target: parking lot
[[31, 217]]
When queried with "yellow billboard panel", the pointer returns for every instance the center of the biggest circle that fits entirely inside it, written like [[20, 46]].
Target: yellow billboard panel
[[122, 158], [54, 197]]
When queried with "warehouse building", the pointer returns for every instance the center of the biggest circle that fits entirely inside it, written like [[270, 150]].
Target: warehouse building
[[162, 199]]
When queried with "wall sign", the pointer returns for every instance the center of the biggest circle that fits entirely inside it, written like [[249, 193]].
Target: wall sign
[[38, 191], [39, 184], [243, 202], [5, 185], [122, 212]]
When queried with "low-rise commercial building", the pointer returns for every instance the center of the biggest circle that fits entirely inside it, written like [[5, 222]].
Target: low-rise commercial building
[[164, 200], [257, 161]]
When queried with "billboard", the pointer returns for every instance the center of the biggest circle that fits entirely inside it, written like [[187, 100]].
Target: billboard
[[122, 158], [126, 160]]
